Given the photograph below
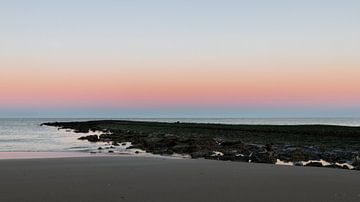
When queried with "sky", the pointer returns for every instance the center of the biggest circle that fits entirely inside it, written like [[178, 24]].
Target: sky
[[171, 58]]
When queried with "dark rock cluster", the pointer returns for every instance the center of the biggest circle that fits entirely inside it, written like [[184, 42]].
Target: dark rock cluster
[[196, 140], [225, 149]]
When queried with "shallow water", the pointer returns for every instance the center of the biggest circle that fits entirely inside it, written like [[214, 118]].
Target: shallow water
[[24, 135]]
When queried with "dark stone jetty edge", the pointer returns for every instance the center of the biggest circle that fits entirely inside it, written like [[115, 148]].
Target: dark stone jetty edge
[[247, 143]]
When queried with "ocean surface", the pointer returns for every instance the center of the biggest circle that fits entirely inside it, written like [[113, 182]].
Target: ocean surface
[[26, 135]]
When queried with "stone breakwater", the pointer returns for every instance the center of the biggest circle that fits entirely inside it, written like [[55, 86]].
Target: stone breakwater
[[338, 146]]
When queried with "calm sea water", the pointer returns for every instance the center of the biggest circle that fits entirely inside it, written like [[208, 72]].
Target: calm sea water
[[28, 135]]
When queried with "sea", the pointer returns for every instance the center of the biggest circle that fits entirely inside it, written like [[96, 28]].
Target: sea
[[27, 134]]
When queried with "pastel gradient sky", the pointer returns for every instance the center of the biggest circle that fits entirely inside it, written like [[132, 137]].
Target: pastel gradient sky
[[179, 58]]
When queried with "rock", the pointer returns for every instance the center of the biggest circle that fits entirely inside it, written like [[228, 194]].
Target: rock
[[201, 154], [186, 140], [314, 164], [200, 140], [298, 163], [232, 155], [284, 157], [345, 167], [183, 148], [163, 151], [232, 143], [81, 130], [268, 147], [334, 166], [356, 168], [332, 157], [232, 158], [169, 152], [299, 155], [105, 139], [135, 146], [90, 138], [169, 142], [170, 136], [263, 157], [356, 162]]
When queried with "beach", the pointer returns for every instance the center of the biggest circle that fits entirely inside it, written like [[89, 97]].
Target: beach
[[134, 178], [179, 101]]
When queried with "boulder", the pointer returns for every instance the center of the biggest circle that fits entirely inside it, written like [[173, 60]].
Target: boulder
[[347, 167], [201, 154], [115, 143], [263, 157], [314, 164], [90, 138]]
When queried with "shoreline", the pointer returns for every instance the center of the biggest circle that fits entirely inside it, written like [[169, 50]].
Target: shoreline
[[44, 155], [294, 144], [20, 155], [125, 178], [69, 154]]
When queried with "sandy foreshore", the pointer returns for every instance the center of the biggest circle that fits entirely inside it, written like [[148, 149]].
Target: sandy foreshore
[[164, 179], [43, 155]]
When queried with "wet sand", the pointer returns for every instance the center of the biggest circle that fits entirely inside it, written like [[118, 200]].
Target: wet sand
[[43, 155], [163, 179]]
